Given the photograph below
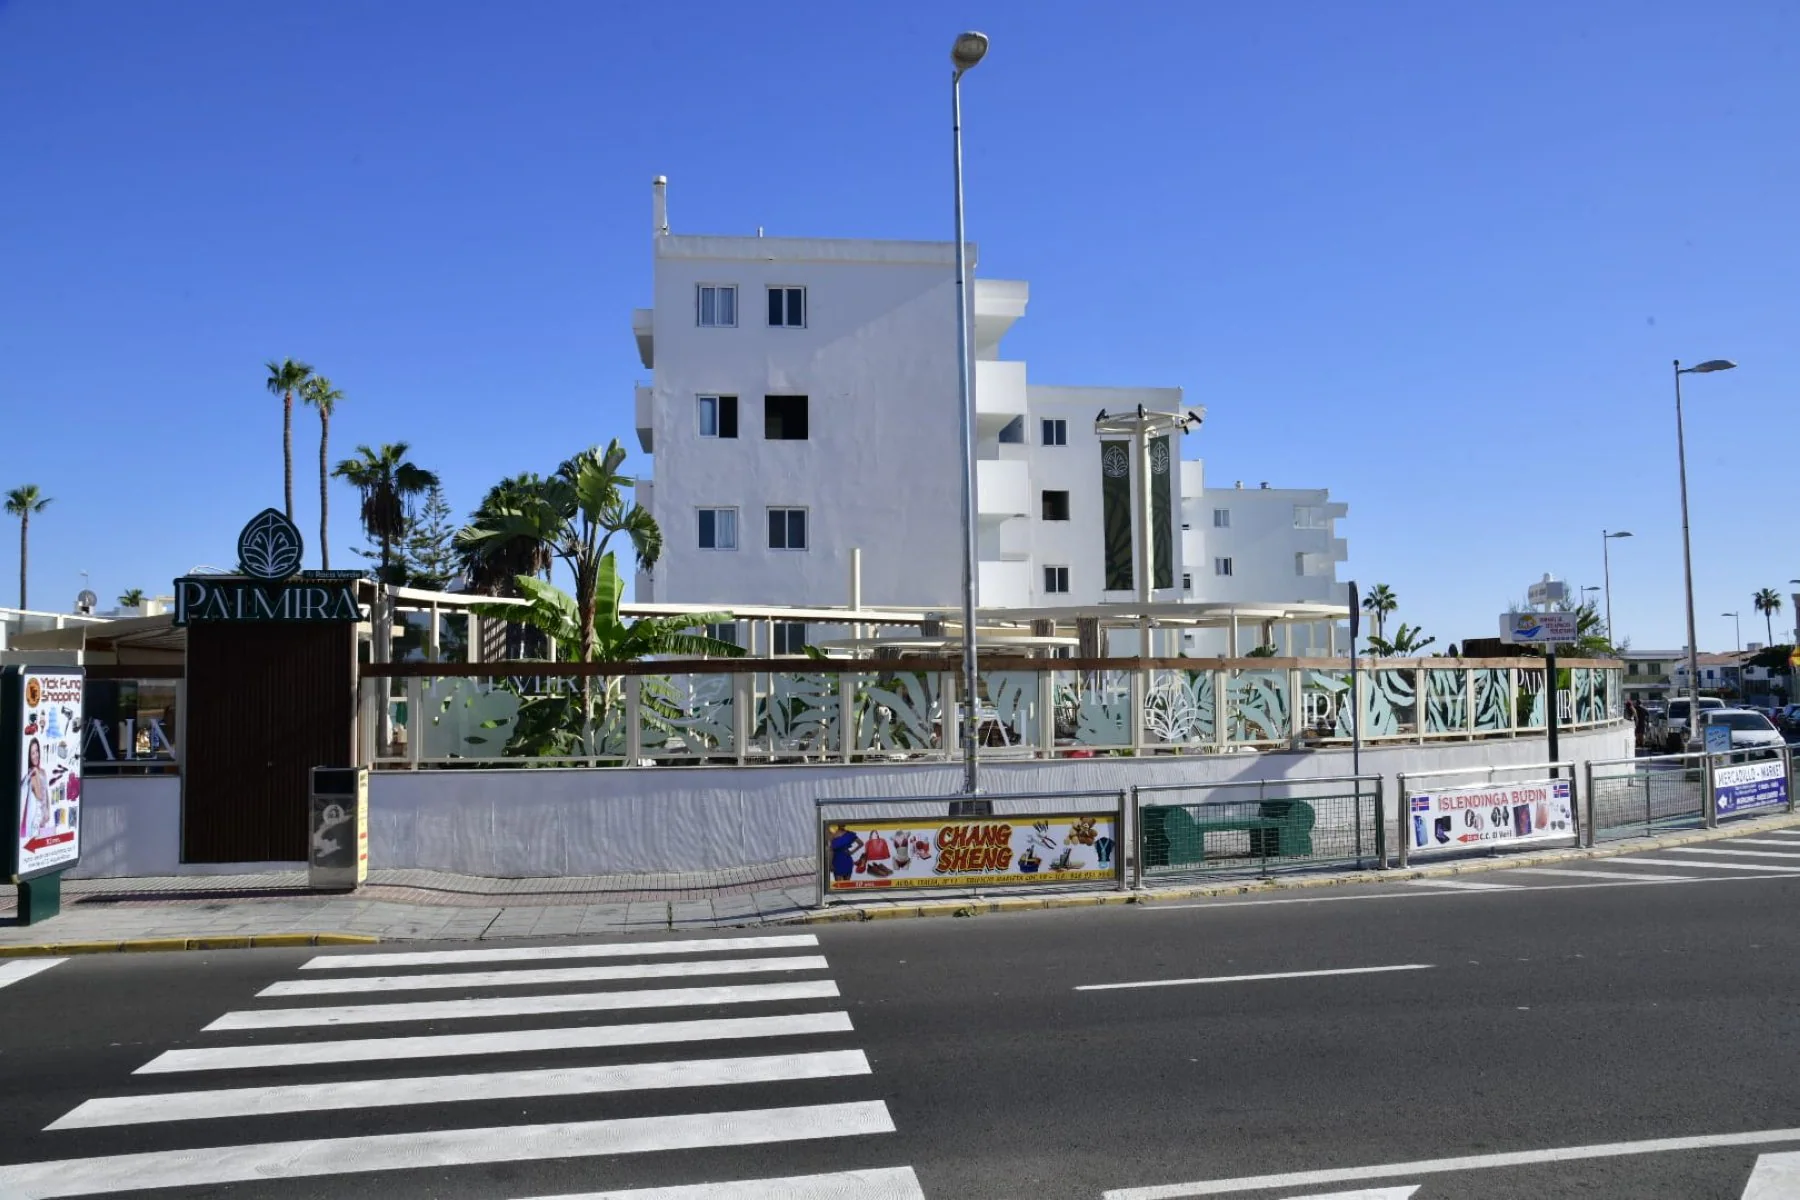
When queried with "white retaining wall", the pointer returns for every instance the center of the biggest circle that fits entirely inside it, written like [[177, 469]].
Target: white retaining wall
[[518, 823], [542, 822]]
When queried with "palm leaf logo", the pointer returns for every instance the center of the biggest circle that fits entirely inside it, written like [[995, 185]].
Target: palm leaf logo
[[270, 546]]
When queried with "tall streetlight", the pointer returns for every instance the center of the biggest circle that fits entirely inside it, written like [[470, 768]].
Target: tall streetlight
[[968, 50], [1687, 552], [1738, 625], [1606, 541]]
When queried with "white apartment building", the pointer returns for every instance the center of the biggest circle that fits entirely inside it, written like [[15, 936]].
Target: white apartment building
[[804, 405]]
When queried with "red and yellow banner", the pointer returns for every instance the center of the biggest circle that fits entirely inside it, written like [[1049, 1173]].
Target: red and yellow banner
[[967, 852]]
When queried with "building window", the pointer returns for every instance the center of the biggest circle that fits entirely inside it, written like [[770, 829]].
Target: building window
[[1310, 516], [1631, 668], [1056, 432], [726, 632], [1056, 579], [718, 529], [787, 529], [1221, 566], [1221, 518], [784, 418], [715, 305], [790, 637], [1187, 585], [787, 307], [718, 416], [1056, 506], [1299, 564], [1656, 668]]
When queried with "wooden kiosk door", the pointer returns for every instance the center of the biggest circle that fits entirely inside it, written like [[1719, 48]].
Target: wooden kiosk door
[[266, 704]]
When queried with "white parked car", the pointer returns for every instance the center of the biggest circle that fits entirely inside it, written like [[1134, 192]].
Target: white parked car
[[1672, 732], [1750, 730]]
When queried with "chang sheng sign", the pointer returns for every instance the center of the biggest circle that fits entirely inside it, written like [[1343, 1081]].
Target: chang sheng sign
[[270, 585]]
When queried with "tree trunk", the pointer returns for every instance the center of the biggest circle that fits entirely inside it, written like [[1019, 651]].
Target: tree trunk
[[324, 491], [287, 452], [24, 537]]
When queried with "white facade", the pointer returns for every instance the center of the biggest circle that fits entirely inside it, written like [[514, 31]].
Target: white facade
[[869, 340]]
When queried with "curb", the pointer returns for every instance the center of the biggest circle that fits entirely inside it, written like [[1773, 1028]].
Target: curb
[[974, 906], [143, 945]]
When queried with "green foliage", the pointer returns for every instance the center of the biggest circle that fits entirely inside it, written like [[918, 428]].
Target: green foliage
[[1407, 641], [390, 485], [1768, 603], [1380, 603], [430, 553], [131, 597]]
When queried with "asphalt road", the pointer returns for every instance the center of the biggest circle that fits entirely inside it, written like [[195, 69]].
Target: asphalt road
[[1536, 1012]]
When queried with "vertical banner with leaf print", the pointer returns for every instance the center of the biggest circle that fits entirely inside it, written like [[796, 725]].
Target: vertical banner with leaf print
[[1162, 552], [1115, 513]]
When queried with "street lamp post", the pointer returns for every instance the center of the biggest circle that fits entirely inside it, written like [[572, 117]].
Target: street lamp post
[[968, 49], [1687, 552], [1606, 541], [1738, 626]]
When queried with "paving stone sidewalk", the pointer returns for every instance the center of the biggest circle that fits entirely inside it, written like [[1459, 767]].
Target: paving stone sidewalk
[[410, 904]]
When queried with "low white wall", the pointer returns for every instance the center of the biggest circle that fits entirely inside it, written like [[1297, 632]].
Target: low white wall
[[131, 827], [541, 822]]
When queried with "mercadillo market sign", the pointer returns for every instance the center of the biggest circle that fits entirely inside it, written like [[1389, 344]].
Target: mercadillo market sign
[[269, 585]]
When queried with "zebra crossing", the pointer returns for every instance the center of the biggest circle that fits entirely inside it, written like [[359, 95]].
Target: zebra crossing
[[1764, 853], [355, 1042]]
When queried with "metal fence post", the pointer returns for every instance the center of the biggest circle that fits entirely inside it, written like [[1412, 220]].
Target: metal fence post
[[1123, 838], [1400, 803], [1356, 795], [415, 721], [634, 722], [1709, 800], [1137, 839], [1787, 757], [1576, 796], [1587, 825], [824, 832], [1381, 822]]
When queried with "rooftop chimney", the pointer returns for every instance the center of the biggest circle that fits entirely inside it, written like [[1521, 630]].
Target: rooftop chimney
[[660, 205]]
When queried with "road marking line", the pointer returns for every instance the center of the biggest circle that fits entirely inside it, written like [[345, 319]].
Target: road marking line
[[1737, 853], [14, 969], [438, 958], [211, 1104], [1775, 1177], [517, 978], [1176, 906], [1464, 885], [1431, 1166], [1705, 865], [439, 1148], [519, 1006], [1394, 1193], [457, 1045], [887, 1183], [1152, 983], [1621, 876], [1762, 842]]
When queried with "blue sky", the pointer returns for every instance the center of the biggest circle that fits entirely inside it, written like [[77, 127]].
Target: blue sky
[[1435, 257]]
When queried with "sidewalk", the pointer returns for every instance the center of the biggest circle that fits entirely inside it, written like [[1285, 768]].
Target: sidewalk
[[424, 905]]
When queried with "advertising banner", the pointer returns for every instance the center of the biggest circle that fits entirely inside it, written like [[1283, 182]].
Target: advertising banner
[[43, 735], [972, 852], [1539, 628], [1750, 786], [1496, 815]]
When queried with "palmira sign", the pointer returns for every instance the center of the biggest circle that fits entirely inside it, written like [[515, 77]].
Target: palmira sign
[[267, 587]]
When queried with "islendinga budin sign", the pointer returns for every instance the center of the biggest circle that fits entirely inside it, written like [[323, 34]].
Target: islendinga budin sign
[[269, 585]]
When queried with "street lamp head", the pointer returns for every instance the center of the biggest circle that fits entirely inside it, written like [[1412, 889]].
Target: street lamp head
[[1620, 534], [969, 49], [1709, 366]]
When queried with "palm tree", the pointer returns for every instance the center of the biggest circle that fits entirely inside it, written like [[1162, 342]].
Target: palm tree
[[23, 502], [131, 598], [1378, 604], [389, 485], [318, 393], [584, 507], [1768, 603], [491, 556], [285, 378]]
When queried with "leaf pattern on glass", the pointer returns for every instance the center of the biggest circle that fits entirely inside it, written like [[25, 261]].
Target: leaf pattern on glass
[[799, 715], [1493, 685], [898, 712], [465, 718], [1012, 697], [1446, 700], [1178, 707], [686, 714], [1259, 706], [269, 546], [1093, 709]]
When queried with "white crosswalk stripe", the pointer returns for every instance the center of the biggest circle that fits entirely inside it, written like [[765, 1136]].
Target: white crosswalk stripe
[[16, 969], [382, 1072], [1621, 876], [1734, 853], [1709, 865], [1462, 885]]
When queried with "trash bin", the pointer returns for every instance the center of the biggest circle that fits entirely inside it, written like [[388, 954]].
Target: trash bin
[[340, 828]]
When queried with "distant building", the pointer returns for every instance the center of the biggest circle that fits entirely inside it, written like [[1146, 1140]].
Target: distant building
[[804, 405]]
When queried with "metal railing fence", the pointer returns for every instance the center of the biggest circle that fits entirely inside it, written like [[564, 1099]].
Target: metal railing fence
[[1188, 829], [1635, 797]]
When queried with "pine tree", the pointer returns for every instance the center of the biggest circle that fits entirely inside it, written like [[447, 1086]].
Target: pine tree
[[431, 560]]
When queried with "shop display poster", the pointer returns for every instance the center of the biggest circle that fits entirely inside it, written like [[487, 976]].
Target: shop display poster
[[1495, 815], [971, 852], [1750, 786], [42, 732]]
